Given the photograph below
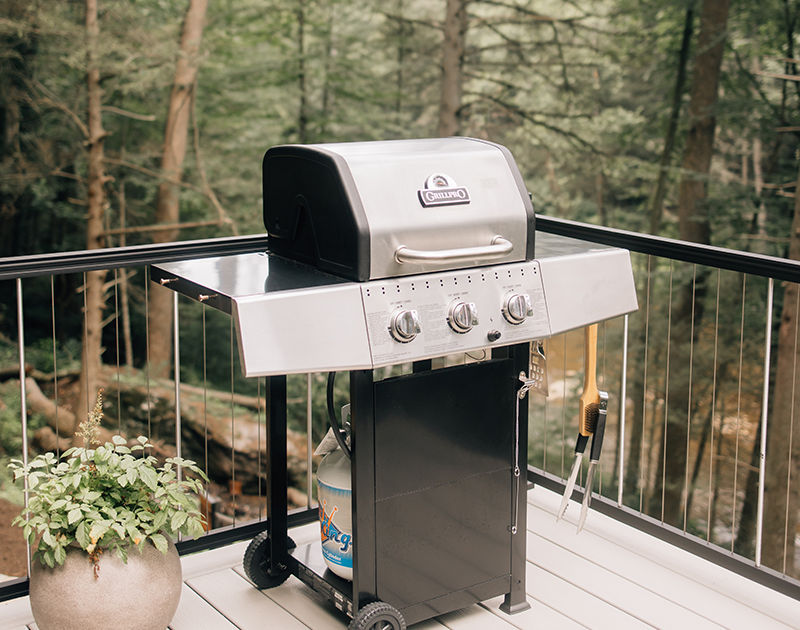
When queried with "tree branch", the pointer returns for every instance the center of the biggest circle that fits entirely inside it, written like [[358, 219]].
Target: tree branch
[[44, 100], [224, 217], [161, 227], [756, 85], [399, 18], [121, 112], [569, 135], [155, 174]]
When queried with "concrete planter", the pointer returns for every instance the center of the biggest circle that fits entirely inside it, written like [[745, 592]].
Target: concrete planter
[[140, 595]]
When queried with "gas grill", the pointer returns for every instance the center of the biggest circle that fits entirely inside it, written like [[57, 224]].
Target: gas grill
[[401, 252]]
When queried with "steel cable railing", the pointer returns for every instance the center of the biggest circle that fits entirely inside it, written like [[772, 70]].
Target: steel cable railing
[[553, 418], [706, 380]]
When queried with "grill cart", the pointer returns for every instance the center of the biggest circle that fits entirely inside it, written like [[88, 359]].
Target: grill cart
[[401, 252]]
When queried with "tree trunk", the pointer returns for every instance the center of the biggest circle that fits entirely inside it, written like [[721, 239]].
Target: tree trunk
[[327, 90], [781, 504], [174, 152], [668, 497], [94, 294], [669, 141], [702, 122], [455, 34], [401, 53], [124, 302], [302, 83], [761, 212], [745, 534]]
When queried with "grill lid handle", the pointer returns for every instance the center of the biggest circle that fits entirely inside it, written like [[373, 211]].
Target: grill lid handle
[[499, 248]]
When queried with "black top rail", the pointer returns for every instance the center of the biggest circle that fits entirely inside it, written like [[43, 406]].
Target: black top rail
[[131, 256], [730, 259], [139, 255]]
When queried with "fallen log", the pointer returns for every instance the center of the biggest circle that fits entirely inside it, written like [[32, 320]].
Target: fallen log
[[250, 402], [12, 372], [61, 420]]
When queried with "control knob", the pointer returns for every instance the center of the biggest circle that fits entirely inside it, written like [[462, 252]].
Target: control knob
[[404, 325], [462, 316], [516, 307]]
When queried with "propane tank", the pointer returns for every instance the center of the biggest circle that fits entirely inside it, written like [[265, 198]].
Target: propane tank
[[335, 504], [335, 513]]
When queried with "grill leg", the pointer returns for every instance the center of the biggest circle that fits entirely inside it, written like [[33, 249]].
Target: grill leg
[[515, 600], [277, 503], [362, 423]]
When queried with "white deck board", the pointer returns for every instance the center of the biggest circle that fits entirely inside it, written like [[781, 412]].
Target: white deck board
[[248, 608], [306, 605], [539, 615], [206, 562], [16, 614], [473, 617], [603, 583], [577, 604], [672, 574], [609, 576], [194, 613]]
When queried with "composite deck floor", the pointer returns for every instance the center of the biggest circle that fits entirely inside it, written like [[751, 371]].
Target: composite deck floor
[[608, 576]]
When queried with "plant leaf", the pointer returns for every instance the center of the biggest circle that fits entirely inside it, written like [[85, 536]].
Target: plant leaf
[[160, 542], [149, 476], [60, 554], [178, 519], [82, 536], [74, 516]]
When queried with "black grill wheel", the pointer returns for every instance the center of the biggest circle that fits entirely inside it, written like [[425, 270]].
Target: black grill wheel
[[378, 616], [256, 562]]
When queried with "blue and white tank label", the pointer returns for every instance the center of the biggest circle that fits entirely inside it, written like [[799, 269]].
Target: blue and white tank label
[[336, 526]]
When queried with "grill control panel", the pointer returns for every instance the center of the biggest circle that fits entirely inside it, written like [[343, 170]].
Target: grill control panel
[[409, 319], [293, 319]]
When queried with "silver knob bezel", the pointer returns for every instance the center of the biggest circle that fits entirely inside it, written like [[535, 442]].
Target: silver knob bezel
[[395, 329], [509, 316], [472, 316]]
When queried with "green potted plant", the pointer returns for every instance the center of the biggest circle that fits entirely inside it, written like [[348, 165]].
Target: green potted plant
[[104, 516]]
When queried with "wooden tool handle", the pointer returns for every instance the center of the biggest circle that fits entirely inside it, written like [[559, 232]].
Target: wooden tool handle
[[590, 359], [589, 403]]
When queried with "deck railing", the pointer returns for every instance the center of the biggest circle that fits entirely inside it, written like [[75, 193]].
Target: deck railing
[[688, 456], [685, 457]]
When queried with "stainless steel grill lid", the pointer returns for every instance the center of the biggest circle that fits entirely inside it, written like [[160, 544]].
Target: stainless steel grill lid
[[369, 210]]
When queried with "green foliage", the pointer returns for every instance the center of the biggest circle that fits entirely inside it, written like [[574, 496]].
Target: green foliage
[[109, 497], [10, 425]]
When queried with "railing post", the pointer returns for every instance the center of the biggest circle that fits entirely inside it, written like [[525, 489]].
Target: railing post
[[177, 358], [764, 413], [23, 403], [623, 398], [309, 440]]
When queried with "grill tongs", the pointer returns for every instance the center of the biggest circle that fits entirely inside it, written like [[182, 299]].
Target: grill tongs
[[593, 406]]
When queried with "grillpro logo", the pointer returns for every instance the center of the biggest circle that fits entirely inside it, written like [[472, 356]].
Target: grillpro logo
[[441, 190]]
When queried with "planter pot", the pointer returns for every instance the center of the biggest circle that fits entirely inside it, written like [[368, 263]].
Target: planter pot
[[140, 595]]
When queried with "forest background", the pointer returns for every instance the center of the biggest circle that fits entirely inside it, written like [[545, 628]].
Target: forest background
[[132, 122]]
